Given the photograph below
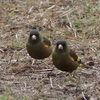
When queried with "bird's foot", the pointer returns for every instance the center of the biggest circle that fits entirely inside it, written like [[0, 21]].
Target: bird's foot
[[33, 62]]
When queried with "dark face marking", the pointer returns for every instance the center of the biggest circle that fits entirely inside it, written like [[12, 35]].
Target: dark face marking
[[34, 34], [61, 45]]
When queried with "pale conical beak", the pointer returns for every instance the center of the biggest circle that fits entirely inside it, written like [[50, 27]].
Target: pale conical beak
[[60, 46], [33, 37]]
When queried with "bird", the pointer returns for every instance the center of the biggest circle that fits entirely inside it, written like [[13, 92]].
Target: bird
[[65, 59], [38, 46]]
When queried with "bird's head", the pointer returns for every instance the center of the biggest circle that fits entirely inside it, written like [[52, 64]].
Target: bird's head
[[61, 46], [34, 36]]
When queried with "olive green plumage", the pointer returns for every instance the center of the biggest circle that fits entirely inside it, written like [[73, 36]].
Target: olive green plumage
[[65, 58], [38, 46]]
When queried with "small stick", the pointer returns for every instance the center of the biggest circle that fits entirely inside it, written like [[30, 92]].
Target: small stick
[[51, 82], [84, 96], [70, 24]]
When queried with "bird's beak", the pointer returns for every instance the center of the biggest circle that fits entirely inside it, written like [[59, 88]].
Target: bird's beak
[[33, 37], [60, 46]]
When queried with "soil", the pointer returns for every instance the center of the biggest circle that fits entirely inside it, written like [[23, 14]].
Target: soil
[[77, 22]]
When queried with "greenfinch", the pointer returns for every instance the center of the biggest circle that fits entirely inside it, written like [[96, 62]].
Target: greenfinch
[[38, 46], [65, 59]]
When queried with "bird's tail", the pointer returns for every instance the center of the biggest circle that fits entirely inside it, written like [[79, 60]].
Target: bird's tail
[[81, 64]]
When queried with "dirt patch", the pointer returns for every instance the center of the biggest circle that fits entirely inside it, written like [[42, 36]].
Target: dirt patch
[[74, 21]]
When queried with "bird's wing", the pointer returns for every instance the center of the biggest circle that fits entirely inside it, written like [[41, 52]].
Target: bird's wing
[[74, 56], [46, 42], [77, 60]]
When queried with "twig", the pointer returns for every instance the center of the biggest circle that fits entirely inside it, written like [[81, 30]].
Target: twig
[[70, 24], [51, 83], [1, 50], [84, 96], [46, 64], [43, 70], [30, 10], [60, 87], [47, 10], [25, 86], [67, 12]]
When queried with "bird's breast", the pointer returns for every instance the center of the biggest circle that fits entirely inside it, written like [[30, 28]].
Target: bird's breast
[[38, 51]]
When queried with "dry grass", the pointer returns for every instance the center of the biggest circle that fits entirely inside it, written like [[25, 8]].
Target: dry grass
[[77, 21]]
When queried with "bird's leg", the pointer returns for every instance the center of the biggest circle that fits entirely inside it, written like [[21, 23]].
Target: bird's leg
[[51, 82], [51, 73], [34, 62], [70, 76]]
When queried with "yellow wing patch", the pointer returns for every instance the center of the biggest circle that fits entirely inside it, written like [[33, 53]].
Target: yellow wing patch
[[71, 58], [78, 59], [81, 65], [46, 46]]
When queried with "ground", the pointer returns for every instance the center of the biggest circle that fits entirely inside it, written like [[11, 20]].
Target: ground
[[77, 22]]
